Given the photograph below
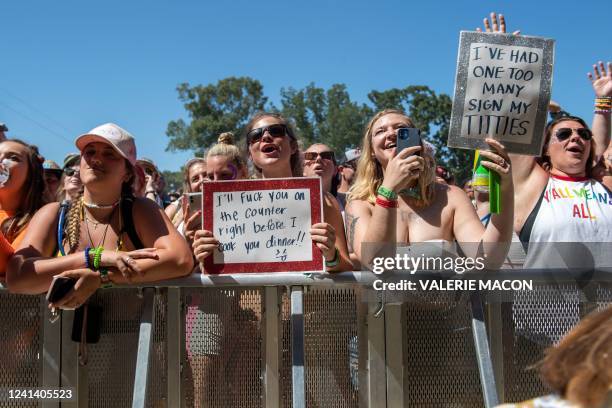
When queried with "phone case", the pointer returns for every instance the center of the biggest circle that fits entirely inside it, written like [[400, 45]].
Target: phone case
[[60, 288], [408, 137]]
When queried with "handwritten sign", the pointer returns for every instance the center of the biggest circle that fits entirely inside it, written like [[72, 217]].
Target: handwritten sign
[[263, 225], [502, 90]]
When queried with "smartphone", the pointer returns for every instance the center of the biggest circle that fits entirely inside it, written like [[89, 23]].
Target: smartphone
[[408, 137], [59, 288], [194, 201]]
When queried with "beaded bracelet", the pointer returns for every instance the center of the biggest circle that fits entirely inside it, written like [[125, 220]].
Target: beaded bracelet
[[383, 202], [87, 262], [105, 279], [387, 193], [335, 261], [97, 257], [603, 111]]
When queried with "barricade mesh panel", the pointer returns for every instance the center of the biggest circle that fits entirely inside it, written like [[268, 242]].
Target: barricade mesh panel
[[20, 342], [112, 361], [330, 342], [536, 320], [157, 381], [223, 343], [441, 364], [285, 374]]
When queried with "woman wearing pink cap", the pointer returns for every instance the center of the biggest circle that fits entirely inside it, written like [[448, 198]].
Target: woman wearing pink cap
[[107, 236]]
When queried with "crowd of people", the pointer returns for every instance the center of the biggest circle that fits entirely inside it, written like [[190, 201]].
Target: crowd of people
[[104, 218]]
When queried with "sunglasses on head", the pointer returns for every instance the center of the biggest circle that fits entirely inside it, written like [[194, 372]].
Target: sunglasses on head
[[72, 172], [255, 135], [312, 156], [565, 133]]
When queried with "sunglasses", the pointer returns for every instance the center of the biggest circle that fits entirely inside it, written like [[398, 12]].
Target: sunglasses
[[72, 172], [565, 133], [255, 135], [312, 156]]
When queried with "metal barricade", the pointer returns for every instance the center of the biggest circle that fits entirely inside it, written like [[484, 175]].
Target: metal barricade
[[291, 340]]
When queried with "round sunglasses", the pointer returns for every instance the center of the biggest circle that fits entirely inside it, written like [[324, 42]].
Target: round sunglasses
[[255, 135], [565, 133]]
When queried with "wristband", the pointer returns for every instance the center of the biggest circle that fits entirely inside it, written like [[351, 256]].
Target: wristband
[[104, 279], [603, 111], [335, 261], [383, 202], [87, 262], [388, 194], [97, 257]]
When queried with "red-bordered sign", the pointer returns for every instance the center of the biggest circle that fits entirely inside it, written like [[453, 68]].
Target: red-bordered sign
[[312, 184]]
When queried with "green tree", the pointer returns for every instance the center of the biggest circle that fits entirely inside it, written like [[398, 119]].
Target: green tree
[[325, 116], [431, 113], [213, 109]]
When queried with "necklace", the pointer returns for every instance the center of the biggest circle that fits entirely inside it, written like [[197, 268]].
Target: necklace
[[101, 243], [96, 223], [100, 206]]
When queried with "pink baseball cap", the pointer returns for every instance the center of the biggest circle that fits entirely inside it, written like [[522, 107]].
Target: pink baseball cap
[[120, 139]]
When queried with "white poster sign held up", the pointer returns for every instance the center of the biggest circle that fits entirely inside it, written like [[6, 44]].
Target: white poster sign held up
[[263, 225], [502, 91]]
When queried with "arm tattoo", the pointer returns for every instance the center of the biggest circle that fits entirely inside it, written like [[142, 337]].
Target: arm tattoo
[[351, 221]]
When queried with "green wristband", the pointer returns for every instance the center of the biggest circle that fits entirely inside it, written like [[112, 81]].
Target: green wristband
[[334, 262], [97, 258], [388, 194]]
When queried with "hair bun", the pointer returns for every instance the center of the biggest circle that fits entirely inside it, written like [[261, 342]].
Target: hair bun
[[226, 138]]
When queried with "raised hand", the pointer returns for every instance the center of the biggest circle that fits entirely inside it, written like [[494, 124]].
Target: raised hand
[[403, 169], [499, 159], [494, 26], [601, 79]]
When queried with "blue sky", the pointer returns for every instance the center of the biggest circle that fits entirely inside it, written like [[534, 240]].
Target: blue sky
[[68, 66]]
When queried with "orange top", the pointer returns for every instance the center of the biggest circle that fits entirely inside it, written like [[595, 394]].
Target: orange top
[[7, 248]]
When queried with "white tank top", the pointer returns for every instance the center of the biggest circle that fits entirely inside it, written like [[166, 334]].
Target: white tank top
[[573, 210], [573, 219]]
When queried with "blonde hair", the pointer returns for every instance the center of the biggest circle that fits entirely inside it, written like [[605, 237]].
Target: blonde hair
[[370, 173], [225, 147], [297, 167]]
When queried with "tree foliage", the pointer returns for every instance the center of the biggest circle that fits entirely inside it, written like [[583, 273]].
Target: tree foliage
[[320, 115], [213, 109]]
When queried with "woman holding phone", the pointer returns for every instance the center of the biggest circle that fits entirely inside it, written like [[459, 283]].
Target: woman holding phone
[[106, 237], [272, 146], [397, 199], [194, 174]]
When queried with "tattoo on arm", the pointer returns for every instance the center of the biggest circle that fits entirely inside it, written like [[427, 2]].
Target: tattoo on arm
[[351, 221]]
